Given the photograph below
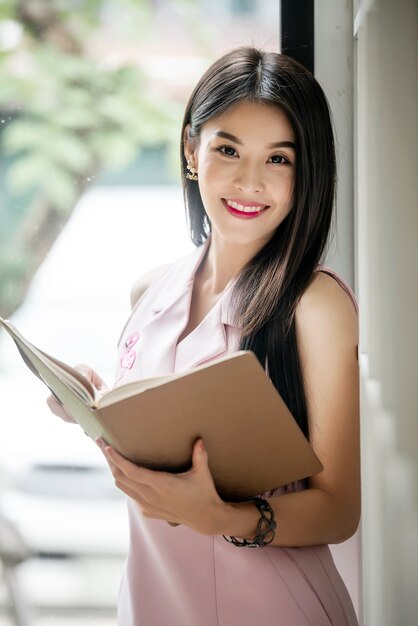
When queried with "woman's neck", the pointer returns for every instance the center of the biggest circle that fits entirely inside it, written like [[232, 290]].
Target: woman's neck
[[223, 262]]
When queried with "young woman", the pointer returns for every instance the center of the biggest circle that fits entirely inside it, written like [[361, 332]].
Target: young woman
[[258, 170]]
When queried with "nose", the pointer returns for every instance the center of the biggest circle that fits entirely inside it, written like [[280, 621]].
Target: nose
[[248, 179]]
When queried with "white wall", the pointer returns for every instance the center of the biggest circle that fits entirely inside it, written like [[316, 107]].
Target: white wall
[[334, 71], [386, 132]]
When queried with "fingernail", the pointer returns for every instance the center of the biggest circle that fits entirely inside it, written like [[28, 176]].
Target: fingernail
[[202, 448]]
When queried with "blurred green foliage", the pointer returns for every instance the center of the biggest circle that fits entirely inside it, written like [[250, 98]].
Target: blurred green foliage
[[68, 115], [76, 119]]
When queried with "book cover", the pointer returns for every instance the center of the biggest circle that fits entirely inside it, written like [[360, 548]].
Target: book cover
[[253, 441]]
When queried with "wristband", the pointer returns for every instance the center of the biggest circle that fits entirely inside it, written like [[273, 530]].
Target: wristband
[[265, 530]]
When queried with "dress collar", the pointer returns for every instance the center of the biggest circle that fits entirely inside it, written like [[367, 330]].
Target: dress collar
[[183, 281]]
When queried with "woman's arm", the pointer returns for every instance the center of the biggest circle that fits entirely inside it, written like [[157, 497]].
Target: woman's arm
[[329, 511]]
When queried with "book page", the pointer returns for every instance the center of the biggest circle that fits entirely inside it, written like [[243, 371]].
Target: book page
[[35, 360], [75, 379], [105, 398], [131, 389]]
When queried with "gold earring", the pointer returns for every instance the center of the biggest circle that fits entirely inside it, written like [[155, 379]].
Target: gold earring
[[191, 175]]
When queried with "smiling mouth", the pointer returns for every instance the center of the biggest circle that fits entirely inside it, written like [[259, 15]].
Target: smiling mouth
[[244, 211], [245, 208]]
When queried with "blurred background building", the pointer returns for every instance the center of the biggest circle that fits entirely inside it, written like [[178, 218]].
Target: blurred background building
[[91, 103]]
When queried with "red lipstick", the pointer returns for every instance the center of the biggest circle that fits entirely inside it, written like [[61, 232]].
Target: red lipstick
[[241, 214]]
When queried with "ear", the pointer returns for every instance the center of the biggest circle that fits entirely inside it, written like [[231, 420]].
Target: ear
[[190, 147]]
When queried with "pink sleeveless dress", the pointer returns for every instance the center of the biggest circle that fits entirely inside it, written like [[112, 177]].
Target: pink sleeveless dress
[[175, 576]]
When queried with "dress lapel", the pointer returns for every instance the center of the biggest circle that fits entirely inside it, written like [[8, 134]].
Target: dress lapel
[[204, 343], [169, 316], [162, 316], [216, 335]]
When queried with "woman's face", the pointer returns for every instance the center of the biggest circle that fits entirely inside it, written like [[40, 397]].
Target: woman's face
[[245, 160]]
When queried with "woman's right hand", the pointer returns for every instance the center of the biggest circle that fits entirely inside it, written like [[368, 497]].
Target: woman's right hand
[[93, 377]]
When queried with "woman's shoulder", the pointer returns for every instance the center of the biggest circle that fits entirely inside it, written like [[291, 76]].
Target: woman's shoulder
[[328, 306], [145, 281], [144, 288], [328, 290], [177, 270]]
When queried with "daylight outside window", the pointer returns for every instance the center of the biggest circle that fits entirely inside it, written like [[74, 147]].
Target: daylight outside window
[[91, 106]]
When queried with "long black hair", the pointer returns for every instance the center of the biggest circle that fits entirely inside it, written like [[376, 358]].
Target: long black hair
[[270, 286]]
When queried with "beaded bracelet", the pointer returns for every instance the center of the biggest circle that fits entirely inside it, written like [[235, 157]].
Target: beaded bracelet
[[266, 527]]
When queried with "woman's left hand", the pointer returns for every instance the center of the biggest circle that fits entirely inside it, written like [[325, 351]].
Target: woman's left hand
[[188, 498]]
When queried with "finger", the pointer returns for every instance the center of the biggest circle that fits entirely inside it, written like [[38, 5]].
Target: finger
[[123, 482], [130, 470], [91, 375], [102, 443], [199, 456], [133, 489], [118, 475], [199, 448], [147, 509], [131, 493], [98, 381], [57, 409]]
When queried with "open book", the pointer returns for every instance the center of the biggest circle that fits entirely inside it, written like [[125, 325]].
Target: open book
[[253, 441]]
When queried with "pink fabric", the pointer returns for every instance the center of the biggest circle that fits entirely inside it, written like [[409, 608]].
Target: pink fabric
[[341, 282], [175, 576]]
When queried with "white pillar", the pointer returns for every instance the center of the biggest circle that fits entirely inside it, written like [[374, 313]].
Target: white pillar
[[334, 71]]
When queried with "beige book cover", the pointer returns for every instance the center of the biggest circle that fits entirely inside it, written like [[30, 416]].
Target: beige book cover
[[253, 441]]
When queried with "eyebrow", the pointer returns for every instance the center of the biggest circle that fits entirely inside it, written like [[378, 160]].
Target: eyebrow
[[276, 144]]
